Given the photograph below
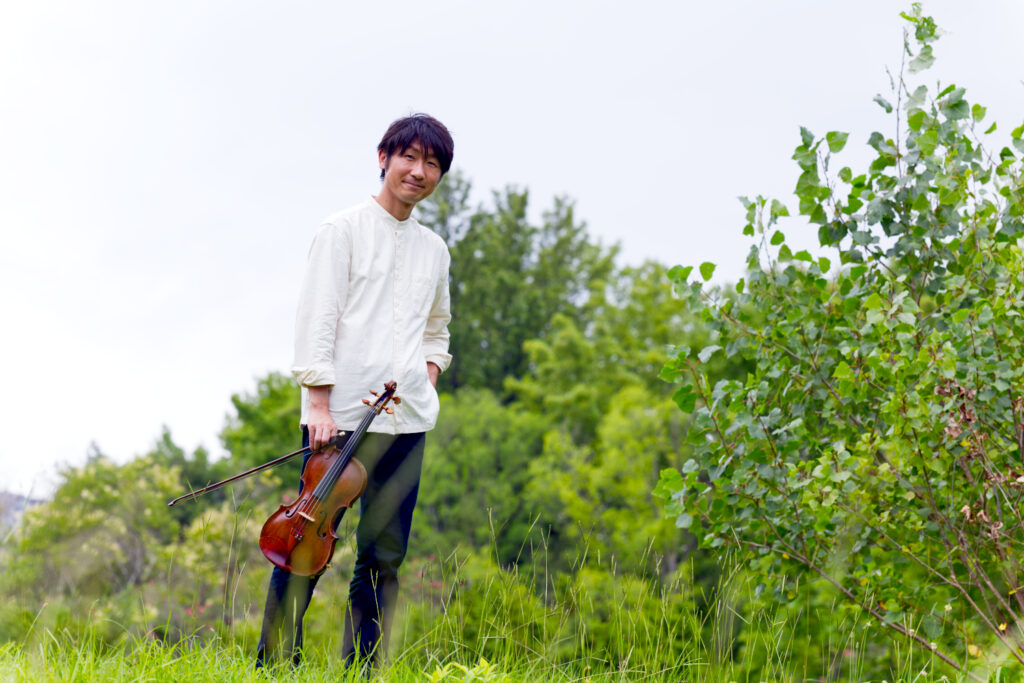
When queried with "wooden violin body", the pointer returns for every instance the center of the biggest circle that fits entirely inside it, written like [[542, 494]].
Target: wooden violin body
[[300, 536]]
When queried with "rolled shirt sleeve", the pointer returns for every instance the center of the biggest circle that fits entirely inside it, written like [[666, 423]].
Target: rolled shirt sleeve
[[435, 335], [321, 300]]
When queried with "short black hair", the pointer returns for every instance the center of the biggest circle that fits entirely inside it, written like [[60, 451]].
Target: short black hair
[[421, 128]]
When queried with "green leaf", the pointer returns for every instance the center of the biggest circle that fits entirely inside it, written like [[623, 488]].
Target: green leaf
[[685, 398], [883, 103], [932, 626], [778, 238], [807, 184], [680, 274], [836, 141], [915, 119], [922, 60], [824, 264], [958, 109], [669, 481], [684, 521], [843, 371], [806, 137], [707, 352], [873, 302], [978, 112], [817, 215], [893, 617], [707, 269], [670, 372]]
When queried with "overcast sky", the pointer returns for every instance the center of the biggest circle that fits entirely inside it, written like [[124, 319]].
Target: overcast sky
[[163, 165]]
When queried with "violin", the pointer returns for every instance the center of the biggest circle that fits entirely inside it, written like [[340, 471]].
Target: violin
[[300, 536]]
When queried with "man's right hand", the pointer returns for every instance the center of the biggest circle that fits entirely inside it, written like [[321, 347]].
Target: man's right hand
[[321, 425]]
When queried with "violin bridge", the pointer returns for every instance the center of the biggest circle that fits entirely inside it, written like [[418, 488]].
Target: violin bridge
[[305, 516]]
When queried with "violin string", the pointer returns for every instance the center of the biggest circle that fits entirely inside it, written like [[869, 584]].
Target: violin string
[[314, 503], [334, 473]]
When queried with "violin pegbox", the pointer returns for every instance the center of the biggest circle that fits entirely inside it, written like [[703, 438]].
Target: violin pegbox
[[381, 402]]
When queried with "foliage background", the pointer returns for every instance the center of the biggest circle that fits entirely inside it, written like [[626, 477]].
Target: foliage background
[[849, 437]]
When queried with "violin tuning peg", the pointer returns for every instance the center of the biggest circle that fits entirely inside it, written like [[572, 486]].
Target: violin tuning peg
[[366, 401], [389, 411], [375, 393], [396, 400]]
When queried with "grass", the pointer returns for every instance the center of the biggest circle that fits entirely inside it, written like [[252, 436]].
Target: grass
[[66, 659], [464, 619]]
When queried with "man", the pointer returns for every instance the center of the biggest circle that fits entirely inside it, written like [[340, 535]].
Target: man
[[374, 307]]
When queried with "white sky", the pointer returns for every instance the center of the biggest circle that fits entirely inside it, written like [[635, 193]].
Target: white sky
[[163, 165]]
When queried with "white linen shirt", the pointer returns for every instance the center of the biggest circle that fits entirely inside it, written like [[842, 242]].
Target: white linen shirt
[[374, 307]]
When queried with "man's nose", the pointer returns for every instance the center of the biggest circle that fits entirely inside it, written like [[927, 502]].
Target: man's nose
[[417, 169]]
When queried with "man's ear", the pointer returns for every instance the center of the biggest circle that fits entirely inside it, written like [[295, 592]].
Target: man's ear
[[382, 158]]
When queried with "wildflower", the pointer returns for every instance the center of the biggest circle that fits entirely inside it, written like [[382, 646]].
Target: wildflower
[[973, 650]]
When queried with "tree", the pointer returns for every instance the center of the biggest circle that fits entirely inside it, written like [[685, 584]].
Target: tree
[[628, 326], [446, 211], [877, 445], [195, 471], [601, 491], [265, 424], [475, 470], [509, 278], [100, 533]]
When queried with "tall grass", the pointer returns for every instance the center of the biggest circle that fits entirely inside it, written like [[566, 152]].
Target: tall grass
[[463, 619]]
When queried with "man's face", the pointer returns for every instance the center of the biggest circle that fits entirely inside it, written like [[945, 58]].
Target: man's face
[[410, 175]]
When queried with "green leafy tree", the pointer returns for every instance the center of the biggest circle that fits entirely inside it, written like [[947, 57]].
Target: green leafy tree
[[447, 210], [578, 367], [475, 470], [265, 424], [509, 278], [195, 471], [100, 533], [600, 493], [876, 444]]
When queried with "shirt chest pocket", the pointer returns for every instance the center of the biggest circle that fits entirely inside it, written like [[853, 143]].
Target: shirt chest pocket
[[421, 296]]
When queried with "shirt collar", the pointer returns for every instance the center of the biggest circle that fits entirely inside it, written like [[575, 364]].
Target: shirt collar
[[387, 217]]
